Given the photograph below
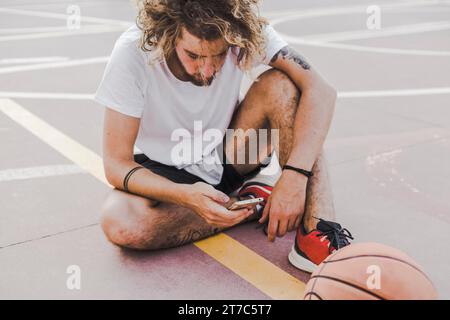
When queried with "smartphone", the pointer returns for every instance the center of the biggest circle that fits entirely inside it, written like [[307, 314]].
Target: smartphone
[[245, 203]]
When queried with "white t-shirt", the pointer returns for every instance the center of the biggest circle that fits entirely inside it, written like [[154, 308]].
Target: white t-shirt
[[170, 108]]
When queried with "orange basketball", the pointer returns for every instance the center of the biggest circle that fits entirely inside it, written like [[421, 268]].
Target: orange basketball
[[369, 271]]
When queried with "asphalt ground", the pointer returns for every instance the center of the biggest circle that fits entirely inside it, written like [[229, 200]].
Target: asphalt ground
[[388, 152]]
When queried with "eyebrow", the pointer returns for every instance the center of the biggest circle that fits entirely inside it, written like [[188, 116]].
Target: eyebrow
[[223, 52]]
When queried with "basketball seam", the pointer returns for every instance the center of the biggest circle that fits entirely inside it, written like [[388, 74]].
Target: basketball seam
[[315, 279], [381, 256], [313, 294], [351, 285]]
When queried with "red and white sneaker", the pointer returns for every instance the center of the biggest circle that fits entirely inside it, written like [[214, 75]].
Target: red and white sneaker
[[256, 190], [311, 248]]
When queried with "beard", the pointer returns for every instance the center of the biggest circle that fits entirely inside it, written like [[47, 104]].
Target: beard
[[196, 79], [200, 81]]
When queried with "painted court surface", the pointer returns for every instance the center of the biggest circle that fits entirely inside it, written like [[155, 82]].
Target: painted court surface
[[388, 152]]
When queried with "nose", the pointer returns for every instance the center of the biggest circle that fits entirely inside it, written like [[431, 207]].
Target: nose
[[208, 69]]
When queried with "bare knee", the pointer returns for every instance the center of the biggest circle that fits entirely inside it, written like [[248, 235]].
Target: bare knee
[[126, 220], [277, 85], [281, 98]]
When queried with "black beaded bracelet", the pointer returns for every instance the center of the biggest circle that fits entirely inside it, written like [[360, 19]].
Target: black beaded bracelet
[[304, 172], [127, 177]]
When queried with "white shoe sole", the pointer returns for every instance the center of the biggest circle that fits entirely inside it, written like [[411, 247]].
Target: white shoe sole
[[301, 263]]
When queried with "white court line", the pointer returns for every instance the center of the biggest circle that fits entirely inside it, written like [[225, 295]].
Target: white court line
[[289, 15], [394, 93], [298, 40], [53, 65], [45, 95], [39, 172], [91, 29], [333, 11], [32, 60], [426, 10], [85, 158], [384, 32], [32, 30], [63, 16]]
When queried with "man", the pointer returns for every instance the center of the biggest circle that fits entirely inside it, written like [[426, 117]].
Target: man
[[183, 64]]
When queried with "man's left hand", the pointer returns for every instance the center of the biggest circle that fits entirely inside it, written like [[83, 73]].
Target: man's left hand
[[286, 204]]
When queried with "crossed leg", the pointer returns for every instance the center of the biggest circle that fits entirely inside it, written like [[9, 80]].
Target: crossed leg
[[140, 223]]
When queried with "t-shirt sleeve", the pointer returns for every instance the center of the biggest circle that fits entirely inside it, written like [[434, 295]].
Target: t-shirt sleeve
[[274, 43], [123, 83]]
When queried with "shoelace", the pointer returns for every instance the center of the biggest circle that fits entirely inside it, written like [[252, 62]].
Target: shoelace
[[338, 237]]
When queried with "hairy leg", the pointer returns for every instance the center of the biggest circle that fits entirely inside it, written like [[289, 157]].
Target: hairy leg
[[272, 103], [135, 222], [319, 196]]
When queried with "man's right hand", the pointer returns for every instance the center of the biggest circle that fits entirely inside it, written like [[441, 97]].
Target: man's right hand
[[209, 203]]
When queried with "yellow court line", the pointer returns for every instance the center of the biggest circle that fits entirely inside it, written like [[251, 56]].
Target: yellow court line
[[71, 149], [247, 264], [250, 266]]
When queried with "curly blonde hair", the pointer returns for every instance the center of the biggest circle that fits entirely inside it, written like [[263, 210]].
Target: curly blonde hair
[[236, 21]]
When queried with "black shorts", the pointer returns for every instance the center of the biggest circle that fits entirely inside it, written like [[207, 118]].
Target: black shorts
[[231, 179]]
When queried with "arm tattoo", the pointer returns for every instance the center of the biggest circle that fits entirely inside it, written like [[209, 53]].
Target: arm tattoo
[[289, 53]]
